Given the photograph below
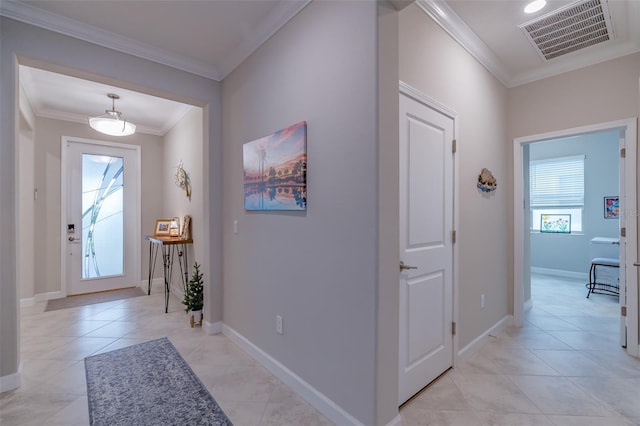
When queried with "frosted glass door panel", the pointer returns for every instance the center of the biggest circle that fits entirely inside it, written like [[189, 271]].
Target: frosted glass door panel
[[102, 216]]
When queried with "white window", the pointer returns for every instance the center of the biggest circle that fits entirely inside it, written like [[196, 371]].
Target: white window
[[556, 186]]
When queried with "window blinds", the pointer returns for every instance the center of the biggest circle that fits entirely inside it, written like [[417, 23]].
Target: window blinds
[[557, 182]]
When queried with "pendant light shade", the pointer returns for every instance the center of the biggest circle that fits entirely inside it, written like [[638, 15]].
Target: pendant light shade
[[111, 123]]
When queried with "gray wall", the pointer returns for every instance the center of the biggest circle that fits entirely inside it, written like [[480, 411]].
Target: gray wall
[[184, 143], [37, 47], [435, 64], [47, 178], [318, 269], [571, 252], [561, 102]]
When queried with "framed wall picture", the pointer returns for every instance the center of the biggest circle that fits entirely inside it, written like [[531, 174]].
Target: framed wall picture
[[611, 207], [555, 223], [275, 170], [163, 227]]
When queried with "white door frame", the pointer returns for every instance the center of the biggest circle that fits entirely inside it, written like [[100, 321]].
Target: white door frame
[[427, 100], [630, 174], [64, 163]]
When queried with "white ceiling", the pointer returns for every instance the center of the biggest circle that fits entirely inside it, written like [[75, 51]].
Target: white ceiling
[[212, 37], [489, 29]]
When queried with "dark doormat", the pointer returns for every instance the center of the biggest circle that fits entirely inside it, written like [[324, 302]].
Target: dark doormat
[[92, 298]]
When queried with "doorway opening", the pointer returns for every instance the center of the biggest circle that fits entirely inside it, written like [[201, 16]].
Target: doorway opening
[[528, 251]]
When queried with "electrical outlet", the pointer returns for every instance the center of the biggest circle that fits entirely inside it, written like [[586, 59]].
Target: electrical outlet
[[279, 324], [482, 301]]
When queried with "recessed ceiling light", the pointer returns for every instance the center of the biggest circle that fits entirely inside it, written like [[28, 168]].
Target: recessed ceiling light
[[535, 6]]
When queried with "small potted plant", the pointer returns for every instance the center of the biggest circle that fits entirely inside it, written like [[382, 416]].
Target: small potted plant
[[194, 297]]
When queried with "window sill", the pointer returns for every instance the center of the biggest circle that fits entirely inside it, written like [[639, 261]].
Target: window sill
[[556, 233]]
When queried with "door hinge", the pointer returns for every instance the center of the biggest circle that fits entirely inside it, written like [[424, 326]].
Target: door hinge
[[453, 236], [623, 152], [623, 232], [623, 311], [453, 328], [454, 146]]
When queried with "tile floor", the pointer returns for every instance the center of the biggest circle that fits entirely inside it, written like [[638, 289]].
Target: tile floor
[[563, 367], [54, 344]]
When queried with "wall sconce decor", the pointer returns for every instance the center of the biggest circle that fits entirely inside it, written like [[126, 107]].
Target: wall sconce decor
[[182, 180]]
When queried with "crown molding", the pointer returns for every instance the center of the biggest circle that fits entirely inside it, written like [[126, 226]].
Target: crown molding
[[444, 16], [29, 14], [276, 19], [449, 21]]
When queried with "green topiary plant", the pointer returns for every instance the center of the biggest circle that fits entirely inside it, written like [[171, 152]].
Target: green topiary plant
[[193, 296]]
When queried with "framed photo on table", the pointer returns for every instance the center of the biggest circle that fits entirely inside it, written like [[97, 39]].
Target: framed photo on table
[[163, 227]]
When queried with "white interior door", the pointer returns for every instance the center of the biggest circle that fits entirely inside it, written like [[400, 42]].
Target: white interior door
[[101, 199], [426, 226]]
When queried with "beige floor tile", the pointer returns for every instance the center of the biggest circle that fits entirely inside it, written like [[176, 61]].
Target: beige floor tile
[[292, 413], [573, 363], [512, 419], [440, 395], [244, 413], [420, 417], [558, 395], [591, 421], [619, 394], [75, 414], [493, 393]]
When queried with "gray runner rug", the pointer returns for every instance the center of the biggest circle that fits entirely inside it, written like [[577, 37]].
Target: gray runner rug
[[148, 384]]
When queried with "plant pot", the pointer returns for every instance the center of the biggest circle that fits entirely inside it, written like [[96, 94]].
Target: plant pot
[[195, 318]]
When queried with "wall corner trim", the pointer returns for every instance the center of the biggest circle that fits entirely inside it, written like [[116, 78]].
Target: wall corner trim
[[11, 381], [326, 406]]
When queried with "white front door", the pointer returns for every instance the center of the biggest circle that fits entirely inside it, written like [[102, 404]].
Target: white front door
[[426, 226], [100, 233]]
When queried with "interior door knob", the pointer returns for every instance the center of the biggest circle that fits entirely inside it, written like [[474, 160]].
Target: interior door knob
[[71, 238], [404, 267]]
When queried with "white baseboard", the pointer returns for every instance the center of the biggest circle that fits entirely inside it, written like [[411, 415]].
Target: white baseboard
[[28, 302], [11, 381], [465, 353], [41, 297], [528, 304], [155, 282], [560, 273], [212, 327], [323, 404]]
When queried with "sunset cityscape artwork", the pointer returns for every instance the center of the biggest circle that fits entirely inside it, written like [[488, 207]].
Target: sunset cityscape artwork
[[275, 170]]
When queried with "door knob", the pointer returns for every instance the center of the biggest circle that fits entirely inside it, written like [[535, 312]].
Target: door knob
[[71, 238], [636, 264], [403, 266]]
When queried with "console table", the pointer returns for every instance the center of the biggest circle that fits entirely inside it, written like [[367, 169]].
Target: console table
[[170, 246]]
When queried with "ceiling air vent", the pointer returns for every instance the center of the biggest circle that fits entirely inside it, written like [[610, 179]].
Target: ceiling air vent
[[570, 28]]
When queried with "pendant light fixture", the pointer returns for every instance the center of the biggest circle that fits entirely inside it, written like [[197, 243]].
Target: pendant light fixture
[[111, 123]]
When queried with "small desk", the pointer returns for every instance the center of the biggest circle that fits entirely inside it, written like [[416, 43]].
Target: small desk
[[170, 246]]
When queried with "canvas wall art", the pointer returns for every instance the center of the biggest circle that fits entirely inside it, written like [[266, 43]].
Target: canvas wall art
[[611, 207], [275, 170]]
